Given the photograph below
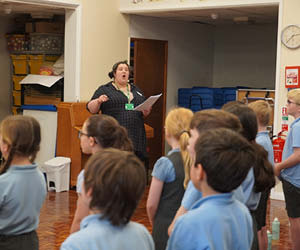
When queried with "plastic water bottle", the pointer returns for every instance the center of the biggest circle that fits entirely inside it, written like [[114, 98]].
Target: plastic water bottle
[[285, 120], [269, 240], [275, 229]]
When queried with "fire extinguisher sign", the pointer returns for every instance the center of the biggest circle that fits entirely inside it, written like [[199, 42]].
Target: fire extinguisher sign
[[292, 77]]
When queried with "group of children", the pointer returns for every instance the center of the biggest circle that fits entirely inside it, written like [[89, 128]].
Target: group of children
[[209, 192]]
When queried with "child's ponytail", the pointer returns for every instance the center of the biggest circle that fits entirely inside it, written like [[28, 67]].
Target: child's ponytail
[[5, 166], [187, 160]]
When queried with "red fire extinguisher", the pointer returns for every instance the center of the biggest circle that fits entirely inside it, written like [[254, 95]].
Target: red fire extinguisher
[[278, 145]]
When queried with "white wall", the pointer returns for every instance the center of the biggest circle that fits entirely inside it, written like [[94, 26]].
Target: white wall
[[5, 69], [190, 50], [245, 55]]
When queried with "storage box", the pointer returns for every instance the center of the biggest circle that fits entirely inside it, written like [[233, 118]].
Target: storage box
[[229, 94], [38, 91], [206, 98], [51, 58], [17, 42], [46, 43], [58, 173], [16, 82], [20, 64], [184, 96], [35, 62], [16, 98]]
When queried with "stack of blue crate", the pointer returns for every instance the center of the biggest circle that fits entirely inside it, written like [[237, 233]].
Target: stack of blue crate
[[184, 96], [229, 94], [206, 98]]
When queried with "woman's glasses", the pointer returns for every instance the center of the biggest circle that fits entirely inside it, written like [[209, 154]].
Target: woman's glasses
[[80, 133]]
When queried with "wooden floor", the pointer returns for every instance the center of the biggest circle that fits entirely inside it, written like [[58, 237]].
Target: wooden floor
[[58, 210]]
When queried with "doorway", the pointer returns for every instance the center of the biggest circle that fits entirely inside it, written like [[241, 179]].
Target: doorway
[[149, 61]]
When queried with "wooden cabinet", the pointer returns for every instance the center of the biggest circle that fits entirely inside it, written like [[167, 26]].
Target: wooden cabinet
[[70, 118], [251, 95]]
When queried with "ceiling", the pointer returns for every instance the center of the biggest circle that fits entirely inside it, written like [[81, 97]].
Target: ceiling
[[13, 9], [248, 15]]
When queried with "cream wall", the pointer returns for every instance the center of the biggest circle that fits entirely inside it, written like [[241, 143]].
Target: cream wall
[[5, 67], [288, 57], [104, 37]]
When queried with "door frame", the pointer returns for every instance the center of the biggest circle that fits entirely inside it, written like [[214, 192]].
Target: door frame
[[72, 50]]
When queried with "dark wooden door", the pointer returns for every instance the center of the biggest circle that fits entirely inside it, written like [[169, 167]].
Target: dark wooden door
[[150, 75]]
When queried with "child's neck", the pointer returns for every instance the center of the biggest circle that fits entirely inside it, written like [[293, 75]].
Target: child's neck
[[262, 128], [173, 143], [20, 160], [207, 190]]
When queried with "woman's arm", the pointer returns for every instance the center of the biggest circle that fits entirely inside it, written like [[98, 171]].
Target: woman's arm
[[94, 105], [153, 198], [82, 210]]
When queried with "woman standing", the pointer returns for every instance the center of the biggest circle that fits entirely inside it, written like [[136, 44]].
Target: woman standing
[[118, 98]]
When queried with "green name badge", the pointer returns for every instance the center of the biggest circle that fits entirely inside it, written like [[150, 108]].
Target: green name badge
[[129, 106]]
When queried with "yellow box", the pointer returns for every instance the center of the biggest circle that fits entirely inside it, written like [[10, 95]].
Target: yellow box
[[17, 98], [51, 58], [20, 64], [35, 62], [16, 81]]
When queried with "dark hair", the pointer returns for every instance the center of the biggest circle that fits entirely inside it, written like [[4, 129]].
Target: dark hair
[[108, 133], [263, 170], [23, 136], [226, 158], [213, 118], [117, 180], [115, 67]]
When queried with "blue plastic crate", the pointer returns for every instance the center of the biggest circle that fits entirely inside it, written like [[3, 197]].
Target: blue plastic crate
[[184, 95], [229, 94], [207, 97]]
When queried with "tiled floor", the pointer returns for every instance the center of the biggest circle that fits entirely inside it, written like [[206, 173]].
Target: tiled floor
[[58, 210]]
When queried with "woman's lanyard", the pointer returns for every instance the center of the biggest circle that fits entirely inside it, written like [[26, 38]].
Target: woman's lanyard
[[128, 106]]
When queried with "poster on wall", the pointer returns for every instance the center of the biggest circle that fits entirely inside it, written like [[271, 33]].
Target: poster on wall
[[292, 77]]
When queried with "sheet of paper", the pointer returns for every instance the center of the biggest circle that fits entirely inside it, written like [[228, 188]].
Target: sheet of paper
[[148, 103]]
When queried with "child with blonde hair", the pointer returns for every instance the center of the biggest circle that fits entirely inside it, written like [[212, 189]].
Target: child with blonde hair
[[170, 176], [22, 184], [289, 168], [263, 113]]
